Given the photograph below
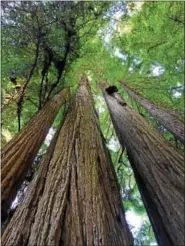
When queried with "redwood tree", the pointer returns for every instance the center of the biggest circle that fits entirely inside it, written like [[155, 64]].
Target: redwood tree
[[19, 153], [158, 169], [80, 203], [168, 119], [34, 190]]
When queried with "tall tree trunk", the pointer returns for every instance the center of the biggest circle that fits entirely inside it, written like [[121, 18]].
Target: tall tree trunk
[[158, 170], [80, 203], [25, 212], [169, 120], [19, 153]]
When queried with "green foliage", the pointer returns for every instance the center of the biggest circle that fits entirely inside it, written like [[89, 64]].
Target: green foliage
[[144, 48], [154, 38], [145, 235], [27, 24]]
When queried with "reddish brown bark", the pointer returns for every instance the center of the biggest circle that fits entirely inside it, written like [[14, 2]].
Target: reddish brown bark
[[158, 169], [80, 203], [19, 153], [168, 119], [25, 212]]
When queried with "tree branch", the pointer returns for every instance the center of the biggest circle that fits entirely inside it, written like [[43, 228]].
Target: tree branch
[[20, 101]]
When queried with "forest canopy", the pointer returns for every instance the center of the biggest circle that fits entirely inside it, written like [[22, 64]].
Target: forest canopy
[[49, 45]]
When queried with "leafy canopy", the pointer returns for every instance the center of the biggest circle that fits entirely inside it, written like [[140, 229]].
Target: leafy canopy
[[141, 43]]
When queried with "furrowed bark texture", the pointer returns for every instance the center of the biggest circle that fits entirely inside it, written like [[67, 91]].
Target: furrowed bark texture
[[81, 203], [19, 153], [18, 229], [165, 117], [158, 170]]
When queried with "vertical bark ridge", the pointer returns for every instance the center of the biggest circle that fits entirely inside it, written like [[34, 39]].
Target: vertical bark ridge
[[81, 202], [168, 119], [19, 153], [25, 213], [158, 169]]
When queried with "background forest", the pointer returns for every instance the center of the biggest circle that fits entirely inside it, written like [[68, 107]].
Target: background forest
[[49, 45]]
